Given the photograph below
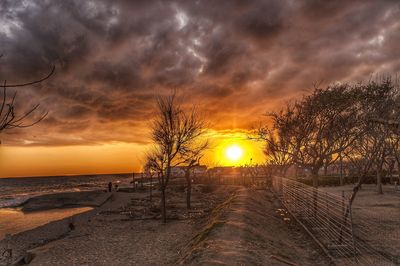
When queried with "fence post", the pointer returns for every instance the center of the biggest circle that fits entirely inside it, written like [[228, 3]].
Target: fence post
[[327, 209], [315, 199], [352, 234], [343, 212]]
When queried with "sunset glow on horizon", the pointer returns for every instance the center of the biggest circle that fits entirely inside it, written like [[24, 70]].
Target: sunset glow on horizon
[[231, 148], [234, 149]]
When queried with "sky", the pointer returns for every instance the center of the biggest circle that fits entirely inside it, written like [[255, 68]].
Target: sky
[[235, 60]]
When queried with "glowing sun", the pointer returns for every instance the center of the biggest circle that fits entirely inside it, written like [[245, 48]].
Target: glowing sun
[[234, 152]]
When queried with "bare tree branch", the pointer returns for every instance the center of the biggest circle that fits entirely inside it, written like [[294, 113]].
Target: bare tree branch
[[8, 117], [32, 82]]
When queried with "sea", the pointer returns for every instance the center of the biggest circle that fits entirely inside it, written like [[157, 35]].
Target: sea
[[15, 191]]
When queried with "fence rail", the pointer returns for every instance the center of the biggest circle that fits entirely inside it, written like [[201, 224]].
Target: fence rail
[[329, 219]]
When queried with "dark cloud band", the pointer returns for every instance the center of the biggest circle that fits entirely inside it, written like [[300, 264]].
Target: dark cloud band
[[235, 59]]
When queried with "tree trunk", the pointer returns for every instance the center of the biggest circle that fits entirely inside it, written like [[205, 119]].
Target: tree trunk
[[341, 170], [390, 171], [314, 175], [379, 178], [163, 207], [189, 194], [356, 188], [398, 171], [284, 171], [325, 169], [163, 188], [379, 168], [188, 189], [151, 188], [315, 201]]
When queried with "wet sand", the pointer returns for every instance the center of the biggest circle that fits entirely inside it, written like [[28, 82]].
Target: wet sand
[[13, 220], [66, 200]]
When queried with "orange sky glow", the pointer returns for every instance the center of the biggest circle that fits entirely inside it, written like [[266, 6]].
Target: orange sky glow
[[18, 161]]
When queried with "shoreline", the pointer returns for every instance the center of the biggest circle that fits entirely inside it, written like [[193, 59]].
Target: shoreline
[[53, 230], [47, 208], [21, 242]]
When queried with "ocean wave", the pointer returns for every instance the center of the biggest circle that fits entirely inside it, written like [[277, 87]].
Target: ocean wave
[[14, 202]]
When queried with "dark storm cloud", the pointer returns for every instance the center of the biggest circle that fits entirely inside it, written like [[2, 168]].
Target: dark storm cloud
[[234, 59]]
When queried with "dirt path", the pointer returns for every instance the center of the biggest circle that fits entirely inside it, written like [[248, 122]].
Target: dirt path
[[251, 229]]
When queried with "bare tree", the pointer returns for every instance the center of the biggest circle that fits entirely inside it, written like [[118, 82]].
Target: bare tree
[[391, 147], [192, 159], [376, 106], [377, 102], [8, 116], [174, 132], [384, 118], [362, 156], [277, 148], [316, 129], [394, 144]]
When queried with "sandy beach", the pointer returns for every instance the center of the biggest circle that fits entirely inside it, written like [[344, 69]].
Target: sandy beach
[[227, 225]]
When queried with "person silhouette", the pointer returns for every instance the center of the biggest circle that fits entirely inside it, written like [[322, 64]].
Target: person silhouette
[[109, 186]]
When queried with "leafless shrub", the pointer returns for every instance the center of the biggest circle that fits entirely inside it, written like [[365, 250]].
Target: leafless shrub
[[176, 135]]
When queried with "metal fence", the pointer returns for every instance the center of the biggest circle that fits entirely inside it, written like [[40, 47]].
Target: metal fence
[[329, 219]]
